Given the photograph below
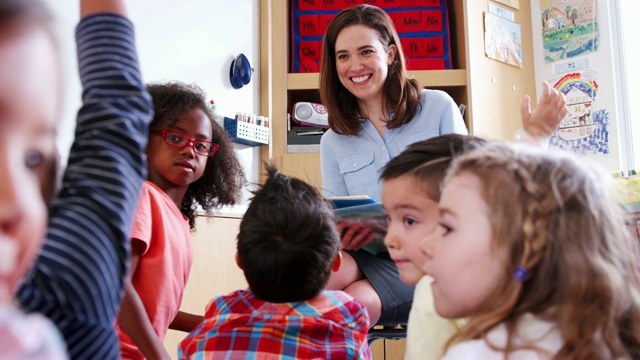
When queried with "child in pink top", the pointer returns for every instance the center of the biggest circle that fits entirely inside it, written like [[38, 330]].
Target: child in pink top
[[191, 162]]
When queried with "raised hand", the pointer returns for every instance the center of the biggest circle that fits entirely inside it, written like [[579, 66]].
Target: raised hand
[[544, 120]]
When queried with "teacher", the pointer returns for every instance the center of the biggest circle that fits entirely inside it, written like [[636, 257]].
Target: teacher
[[375, 111]]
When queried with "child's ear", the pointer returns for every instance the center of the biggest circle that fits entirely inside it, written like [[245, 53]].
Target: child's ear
[[337, 262], [238, 261]]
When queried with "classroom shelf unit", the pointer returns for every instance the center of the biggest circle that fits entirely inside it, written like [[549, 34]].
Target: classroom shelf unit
[[490, 90]]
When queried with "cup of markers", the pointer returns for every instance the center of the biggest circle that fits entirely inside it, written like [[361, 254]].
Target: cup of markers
[[247, 129], [254, 119]]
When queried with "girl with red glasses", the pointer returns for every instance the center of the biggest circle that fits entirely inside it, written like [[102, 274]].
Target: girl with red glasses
[[190, 162]]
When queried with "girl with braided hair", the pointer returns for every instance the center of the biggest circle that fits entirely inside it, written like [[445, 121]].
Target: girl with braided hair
[[532, 250]]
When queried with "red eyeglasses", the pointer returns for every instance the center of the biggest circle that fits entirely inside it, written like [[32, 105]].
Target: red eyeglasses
[[180, 141]]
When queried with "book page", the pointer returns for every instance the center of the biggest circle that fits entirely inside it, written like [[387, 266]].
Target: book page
[[371, 215]]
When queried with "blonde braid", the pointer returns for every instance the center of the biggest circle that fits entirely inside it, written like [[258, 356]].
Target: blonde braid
[[535, 217]]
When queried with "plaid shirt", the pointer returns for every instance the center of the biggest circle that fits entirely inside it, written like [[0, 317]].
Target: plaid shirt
[[332, 325]]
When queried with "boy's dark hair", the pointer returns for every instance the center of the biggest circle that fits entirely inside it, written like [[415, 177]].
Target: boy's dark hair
[[428, 160], [288, 240], [223, 178]]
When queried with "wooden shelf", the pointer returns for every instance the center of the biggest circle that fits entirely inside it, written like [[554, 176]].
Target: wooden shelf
[[302, 81], [440, 78], [428, 78]]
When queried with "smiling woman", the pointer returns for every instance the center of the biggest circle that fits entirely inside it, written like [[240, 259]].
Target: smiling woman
[[375, 112], [362, 64]]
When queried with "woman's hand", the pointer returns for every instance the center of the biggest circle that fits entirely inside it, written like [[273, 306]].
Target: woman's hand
[[354, 234]]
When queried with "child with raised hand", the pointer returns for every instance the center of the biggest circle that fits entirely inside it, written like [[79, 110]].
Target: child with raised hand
[[77, 277], [288, 245], [191, 162], [532, 249]]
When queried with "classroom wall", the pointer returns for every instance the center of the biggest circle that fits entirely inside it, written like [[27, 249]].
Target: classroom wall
[[604, 62], [192, 41]]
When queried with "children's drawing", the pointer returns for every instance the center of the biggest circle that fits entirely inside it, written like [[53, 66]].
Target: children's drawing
[[502, 40], [585, 130], [569, 28]]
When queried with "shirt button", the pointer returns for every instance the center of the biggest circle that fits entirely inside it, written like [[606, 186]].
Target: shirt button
[[355, 164]]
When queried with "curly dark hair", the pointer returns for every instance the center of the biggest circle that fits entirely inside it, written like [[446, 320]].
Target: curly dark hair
[[223, 178]]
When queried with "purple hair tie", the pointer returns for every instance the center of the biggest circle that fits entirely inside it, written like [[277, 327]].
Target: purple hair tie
[[521, 274]]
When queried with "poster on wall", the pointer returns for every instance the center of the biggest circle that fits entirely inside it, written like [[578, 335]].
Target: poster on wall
[[513, 3], [502, 40], [569, 28], [585, 128]]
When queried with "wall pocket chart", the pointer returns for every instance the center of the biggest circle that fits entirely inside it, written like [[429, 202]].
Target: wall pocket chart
[[422, 25]]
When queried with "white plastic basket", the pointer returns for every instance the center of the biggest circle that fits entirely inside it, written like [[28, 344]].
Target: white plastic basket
[[245, 133]]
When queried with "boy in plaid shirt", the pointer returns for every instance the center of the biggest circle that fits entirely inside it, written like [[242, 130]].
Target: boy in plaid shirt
[[287, 247]]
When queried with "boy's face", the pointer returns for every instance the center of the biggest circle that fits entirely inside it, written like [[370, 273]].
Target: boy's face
[[412, 216], [29, 100]]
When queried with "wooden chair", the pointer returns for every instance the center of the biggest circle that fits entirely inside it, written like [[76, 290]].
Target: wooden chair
[[389, 332]]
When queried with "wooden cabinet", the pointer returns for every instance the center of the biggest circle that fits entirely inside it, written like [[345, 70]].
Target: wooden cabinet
[[492, 91]]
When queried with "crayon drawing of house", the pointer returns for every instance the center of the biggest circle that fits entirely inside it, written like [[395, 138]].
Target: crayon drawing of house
[[569, 28]]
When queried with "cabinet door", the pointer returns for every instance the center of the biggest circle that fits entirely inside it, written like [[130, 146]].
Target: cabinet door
[[305, 166]]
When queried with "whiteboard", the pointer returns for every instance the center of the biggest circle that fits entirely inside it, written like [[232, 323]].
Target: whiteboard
[[192, 41]]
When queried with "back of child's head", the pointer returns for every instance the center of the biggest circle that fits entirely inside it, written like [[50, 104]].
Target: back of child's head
[[223, 178], [554, 216], [427, 161], [288, 240]]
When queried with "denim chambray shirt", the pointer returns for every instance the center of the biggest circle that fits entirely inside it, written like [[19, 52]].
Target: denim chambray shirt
[[351, 165]]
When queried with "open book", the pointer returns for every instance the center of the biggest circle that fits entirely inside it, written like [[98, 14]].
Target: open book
[[366, 211]]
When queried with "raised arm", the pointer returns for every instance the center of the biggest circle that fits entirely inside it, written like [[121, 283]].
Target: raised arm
[[90, 7], [78, 277], [543, 121]]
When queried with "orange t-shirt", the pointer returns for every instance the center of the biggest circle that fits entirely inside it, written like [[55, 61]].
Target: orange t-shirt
[[164, 265]]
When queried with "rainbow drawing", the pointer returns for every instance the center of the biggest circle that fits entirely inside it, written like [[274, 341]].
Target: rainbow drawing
[[574, 81]]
